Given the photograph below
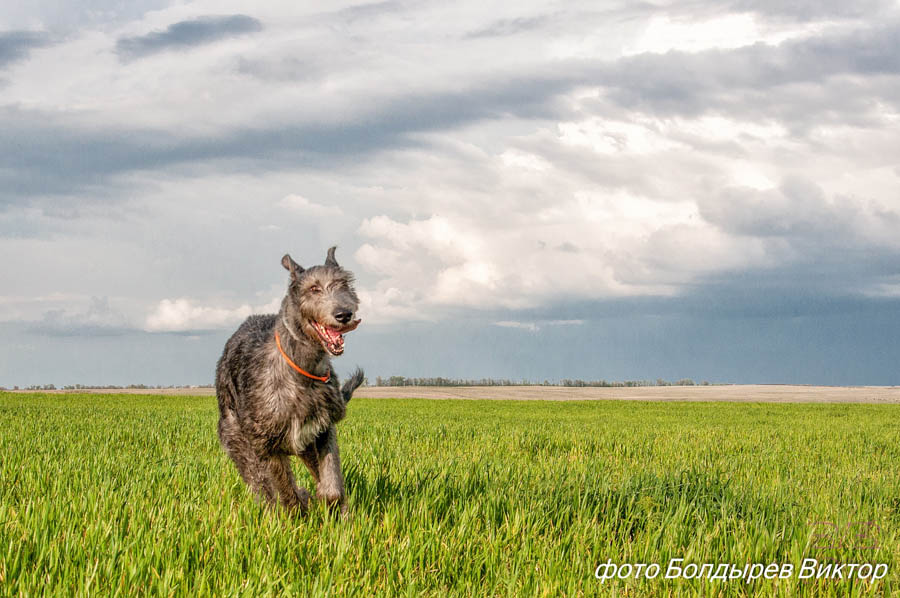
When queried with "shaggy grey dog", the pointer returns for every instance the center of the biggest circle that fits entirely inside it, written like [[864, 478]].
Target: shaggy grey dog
[[278, 395]]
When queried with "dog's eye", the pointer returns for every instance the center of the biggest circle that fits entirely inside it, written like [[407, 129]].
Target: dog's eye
[[315, 289]]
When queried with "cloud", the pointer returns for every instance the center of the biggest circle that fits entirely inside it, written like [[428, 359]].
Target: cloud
[[426, 268], [187, 34], [184, 315], [799, 211], [15, 45], [369, 11], [798, 85], [781, 81], [309, 208], [506, 27], [99, 319], [536, 326], [45, 153], [529, 326], [889, 289], [76, 16], [447, 262], [807, 11], [501, 251]]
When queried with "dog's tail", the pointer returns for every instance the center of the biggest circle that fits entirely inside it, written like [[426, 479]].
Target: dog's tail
[[352, 384]]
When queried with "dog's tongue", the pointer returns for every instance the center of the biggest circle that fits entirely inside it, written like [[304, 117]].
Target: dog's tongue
[[334, 337]]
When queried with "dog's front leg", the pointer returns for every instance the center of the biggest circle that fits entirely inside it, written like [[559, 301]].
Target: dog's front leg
[[330, 483]]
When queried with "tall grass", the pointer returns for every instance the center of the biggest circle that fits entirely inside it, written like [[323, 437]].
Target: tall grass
[[119, 495]]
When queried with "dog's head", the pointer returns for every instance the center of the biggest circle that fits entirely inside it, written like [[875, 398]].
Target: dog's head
[[321, 302]]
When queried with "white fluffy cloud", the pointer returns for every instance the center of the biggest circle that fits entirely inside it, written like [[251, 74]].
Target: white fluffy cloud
[[184, 315], [531, 227]]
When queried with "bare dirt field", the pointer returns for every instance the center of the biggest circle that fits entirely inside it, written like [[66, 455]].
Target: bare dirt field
[[739, 393], [767, 393]]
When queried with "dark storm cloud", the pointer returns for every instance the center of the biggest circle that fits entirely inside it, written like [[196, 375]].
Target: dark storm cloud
[[185, 34], [724, 337], [751, 294], [797, 208], [44, 155], [15, 45], [794, 82], [798, 218], [741, 81]]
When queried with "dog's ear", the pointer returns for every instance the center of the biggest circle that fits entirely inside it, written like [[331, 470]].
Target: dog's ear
[[291, 266], [329, 260]]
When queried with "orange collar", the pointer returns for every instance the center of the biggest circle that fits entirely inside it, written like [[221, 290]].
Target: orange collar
[[324, 378]]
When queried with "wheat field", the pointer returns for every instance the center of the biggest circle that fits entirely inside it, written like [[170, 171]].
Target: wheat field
[[122, 495]]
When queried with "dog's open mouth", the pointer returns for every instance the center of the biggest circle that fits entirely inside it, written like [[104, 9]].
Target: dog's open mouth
[[333, 338]]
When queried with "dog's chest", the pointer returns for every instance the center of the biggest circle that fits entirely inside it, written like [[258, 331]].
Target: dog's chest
[[303, 431], [304, 415], [299, 412]]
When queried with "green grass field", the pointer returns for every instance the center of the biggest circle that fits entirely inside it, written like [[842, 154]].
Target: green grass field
[[109, 495]]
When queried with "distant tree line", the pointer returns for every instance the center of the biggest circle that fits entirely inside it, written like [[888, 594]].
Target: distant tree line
[[440, 381]]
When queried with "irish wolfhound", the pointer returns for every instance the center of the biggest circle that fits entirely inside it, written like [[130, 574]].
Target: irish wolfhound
[[278, 395]]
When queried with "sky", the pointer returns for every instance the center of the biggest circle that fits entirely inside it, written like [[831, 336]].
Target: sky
[[530, 190]]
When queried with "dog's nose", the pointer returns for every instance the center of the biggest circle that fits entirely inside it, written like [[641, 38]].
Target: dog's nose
[[343, 316]]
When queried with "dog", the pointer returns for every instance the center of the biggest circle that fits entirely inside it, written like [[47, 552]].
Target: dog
[[278, 395]]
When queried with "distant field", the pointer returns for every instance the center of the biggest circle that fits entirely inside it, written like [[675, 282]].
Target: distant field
[[768, 393], [119, 495]]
